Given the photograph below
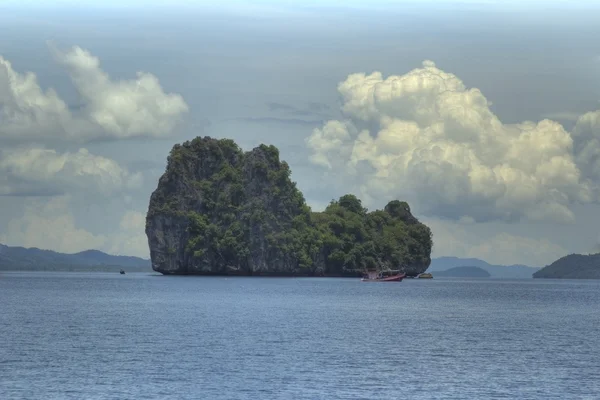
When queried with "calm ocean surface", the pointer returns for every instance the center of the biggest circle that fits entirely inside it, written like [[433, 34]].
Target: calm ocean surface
[[144, 336]]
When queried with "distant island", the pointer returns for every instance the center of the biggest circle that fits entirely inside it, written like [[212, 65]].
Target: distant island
[[220, 211], [464, 272], [34, 259], [517, 271], [573, 266]]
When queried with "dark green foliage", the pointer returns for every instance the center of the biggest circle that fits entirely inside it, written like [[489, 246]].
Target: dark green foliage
[[242, 198], [240, 208], [398, 209], [351, 203], [355, 240]]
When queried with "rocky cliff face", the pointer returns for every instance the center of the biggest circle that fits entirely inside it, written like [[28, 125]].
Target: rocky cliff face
[[218, 210]]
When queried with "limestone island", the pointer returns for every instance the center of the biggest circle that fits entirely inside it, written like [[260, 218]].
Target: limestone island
[[220, 211]]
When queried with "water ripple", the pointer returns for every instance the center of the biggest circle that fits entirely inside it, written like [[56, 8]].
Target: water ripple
[[106, 336]]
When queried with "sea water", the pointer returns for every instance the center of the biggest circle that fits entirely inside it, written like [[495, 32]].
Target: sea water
[[147, 336]]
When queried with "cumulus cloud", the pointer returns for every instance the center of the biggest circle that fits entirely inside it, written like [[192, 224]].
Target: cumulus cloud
[[425, 136], [112, 109], [36, 171], [122, 108], [33, 119], [26, 110]]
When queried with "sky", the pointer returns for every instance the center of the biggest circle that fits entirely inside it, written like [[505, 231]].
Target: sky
[[483, 115]]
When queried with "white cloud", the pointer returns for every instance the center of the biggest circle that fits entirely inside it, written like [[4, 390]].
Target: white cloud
[[502, 248], [426, 137], [50, 225], [112, 109], [131, 108], [32, 119], [35, 171], [26, 110]]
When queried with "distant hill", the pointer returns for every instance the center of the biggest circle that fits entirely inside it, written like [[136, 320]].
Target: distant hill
[[464, 272], [34, 259], [573, 266], [516, 271]]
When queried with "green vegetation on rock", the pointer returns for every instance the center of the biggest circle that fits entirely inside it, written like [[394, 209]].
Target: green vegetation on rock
[[218, 210], [354, 239]]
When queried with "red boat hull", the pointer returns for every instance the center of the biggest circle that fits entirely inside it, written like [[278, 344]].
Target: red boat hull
[[393, 278]]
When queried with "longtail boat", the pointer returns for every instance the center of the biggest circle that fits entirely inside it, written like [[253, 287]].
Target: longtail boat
[[373, 276]]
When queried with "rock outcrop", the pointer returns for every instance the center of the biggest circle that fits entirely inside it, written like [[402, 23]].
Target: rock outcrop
[[220, 211]]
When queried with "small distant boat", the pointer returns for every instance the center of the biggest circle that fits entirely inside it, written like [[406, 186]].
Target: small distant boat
[[373, 276], [425, 275], [122, 272]]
